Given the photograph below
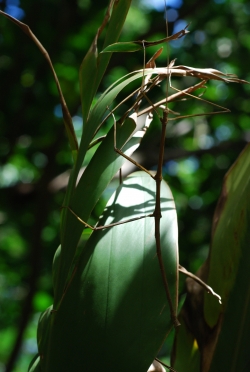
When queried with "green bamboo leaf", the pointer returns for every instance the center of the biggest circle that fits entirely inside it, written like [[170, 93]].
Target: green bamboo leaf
[[115, 304], [134, 46], [98, 174], [43, 329], [102, 168], [42, 339], [95, 118], [91, 72], [34, 365], [94, 65], [230, 240], [98, 112], [223, 327], [87, 76], [228, 264], [235, 329], [129, 46], [118, 17], [56, 269]]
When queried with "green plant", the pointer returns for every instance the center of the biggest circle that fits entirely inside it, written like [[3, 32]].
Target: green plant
[[117, 267]]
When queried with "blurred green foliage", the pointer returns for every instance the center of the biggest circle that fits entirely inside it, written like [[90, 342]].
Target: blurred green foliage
[[35, 157]]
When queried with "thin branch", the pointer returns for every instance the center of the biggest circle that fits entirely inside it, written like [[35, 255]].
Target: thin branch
[[199, 281], [174, 97], [66, 114], [95, 228]]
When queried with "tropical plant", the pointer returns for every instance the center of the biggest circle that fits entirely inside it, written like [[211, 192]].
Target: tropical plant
[[116, 284]]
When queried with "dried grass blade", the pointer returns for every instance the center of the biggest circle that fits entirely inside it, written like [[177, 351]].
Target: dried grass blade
[[66, 115]]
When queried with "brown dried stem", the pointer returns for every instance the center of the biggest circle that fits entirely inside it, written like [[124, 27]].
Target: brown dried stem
[[157, 216]]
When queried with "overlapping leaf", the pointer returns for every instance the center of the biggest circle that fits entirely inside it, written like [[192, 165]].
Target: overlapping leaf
[[219, 327], [94, 65], [229, 268], [105, 100], [99, 172], [230, 233], [114, 313]]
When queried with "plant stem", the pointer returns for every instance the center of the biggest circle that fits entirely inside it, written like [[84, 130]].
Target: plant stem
[[157, 216]]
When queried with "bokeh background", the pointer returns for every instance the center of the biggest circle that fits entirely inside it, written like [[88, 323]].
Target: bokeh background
[[35, 155]]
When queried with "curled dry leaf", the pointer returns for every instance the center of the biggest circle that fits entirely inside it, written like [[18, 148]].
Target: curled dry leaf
[[200, 73], [199, 281]]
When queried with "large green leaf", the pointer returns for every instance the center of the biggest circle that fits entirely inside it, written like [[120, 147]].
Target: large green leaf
[[229, 264], [230, 240], [99, 172], [222, 331], [232, 349], [95, 119], [114, 314], [97, 114]]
